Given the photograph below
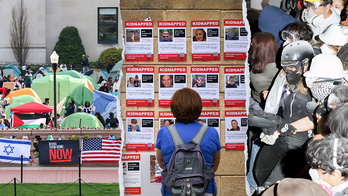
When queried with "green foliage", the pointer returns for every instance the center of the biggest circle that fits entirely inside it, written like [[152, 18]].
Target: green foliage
[[74, 137], [36, 146], [86, 137], [110, 56], [69, 46], [95, 63]]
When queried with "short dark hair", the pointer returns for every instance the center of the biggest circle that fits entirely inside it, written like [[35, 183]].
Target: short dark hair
[[302, 29], [337, 121], [134, 121], [47, 99], [234, 120], [320, 154], [186, 105]]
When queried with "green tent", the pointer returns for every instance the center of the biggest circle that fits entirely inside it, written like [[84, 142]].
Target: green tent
[[83, 119], [81, 94], [16, 101], [65, 85], [75, 74]]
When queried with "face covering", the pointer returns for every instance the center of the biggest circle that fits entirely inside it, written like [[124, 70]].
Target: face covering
[[326, 50], [319, 180], [293, 78], [307, 16], [337, 11], [321, 93]]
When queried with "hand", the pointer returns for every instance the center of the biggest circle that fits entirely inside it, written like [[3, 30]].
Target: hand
[[265, 94], [285, 129], [268, 139]]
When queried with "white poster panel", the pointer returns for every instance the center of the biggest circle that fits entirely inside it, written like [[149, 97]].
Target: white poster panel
[[236, 125], [235, 93], [138, 41], [172, 41], [140, 88], [205, 80], [211, 119], [140, 130], [165, 118], [155, 170], [131, 164], [205, 36], [235, 39], [170, 79]]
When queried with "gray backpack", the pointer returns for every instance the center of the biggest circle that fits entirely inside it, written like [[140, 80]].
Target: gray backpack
[[187, 173]]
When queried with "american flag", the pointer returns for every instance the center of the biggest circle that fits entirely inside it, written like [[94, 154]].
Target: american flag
[[101, 150]]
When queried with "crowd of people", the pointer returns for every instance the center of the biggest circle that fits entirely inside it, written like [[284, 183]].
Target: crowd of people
[[299, 82]]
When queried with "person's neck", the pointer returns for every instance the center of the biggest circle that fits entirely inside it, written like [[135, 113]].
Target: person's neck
[[328, 14]]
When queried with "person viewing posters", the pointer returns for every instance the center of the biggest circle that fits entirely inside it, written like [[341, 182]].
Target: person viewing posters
[[236, 125], [171, 79], [139, 41], [140, 130], [234, 79], [205, 80], [172, 41], [205, 40], [235, 39], [140, 86]]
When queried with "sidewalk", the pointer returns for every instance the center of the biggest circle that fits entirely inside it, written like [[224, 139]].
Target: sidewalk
[[60, 174]]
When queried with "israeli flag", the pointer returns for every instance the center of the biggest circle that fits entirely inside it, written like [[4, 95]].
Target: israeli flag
[[12, 149]]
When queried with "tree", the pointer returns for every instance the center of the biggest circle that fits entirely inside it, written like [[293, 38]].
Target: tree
[[69, 46], [19, 36]]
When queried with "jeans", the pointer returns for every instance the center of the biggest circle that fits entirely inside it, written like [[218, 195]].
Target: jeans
[[250, 177], [85, 68]]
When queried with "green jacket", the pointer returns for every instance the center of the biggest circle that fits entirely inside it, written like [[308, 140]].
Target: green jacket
[[28, 79]]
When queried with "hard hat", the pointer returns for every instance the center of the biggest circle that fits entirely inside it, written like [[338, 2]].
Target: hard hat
[[325, 66], [335, 35], [296, 52]]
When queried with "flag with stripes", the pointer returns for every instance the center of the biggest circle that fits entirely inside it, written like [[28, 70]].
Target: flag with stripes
[[28, 120], [12, 149], [101, 150]]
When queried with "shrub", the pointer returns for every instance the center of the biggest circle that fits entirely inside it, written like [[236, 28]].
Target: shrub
[[110, 56], [74, 137], [69, 46], [86, 137]]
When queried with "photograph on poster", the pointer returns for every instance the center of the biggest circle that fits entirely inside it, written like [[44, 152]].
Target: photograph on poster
[[166, 35], [231, 33], [198, 81], [166, 81], [234, 126], [166, 122], [199, 35], [232, 81], [133, 80], [133, 125], [133, 35]]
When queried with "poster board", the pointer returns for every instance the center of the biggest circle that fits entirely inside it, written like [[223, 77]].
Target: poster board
[[235, 39], [165, 118], [236, 125], [235, 92], [210, 118]]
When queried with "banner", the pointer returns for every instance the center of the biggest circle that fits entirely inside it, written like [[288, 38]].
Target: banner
[[140, 130], [235, 39], [12, 149], [211, 119], [140, 88], [139, 41], [101, 150], [59, 151], [170, 79], [205, 81], [236, 125], [172, 41], [131, 174], [165, 118], [235, 94], [205, 40]]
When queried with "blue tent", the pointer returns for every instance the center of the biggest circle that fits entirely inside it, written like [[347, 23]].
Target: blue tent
[[115, 70], [45, 71], [11, 70], [104, 103]]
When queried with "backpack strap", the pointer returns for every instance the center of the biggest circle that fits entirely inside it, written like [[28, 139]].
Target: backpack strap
[[199, 136], [175, 135]]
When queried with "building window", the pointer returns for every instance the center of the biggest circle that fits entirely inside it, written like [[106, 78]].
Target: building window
[[107, 25]]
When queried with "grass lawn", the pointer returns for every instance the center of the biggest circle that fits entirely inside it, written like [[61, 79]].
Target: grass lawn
[[112, 188]]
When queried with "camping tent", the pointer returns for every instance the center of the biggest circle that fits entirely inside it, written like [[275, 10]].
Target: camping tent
[[65, 85], [24, 91], [81, 94], [21, 118], [115, 70], [96, 73], [46, 70], [81, 119], [11, 70], [76, 74], [104, 103], [16, 101]]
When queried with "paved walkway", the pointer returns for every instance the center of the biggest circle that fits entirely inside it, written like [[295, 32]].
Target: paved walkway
[[60, 174]]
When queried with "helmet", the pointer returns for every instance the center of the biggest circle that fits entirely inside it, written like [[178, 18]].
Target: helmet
[[326, 66], [335, 35], [294, 53]]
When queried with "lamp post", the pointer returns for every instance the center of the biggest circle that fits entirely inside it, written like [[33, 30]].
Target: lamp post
[[54, 60]]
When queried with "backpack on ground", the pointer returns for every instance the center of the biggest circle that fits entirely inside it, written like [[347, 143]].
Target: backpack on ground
[[187, 173]]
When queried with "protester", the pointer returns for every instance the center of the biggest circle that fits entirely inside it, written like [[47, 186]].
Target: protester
[[101, 119], [115, 86], [71, 108], [47, 101], [112, 121], [85, 63], [28, 79], [2, 125], [186, 106], [88, 108], [104, 87], [334, 38]]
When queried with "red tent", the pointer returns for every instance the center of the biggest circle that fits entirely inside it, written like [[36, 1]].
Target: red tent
[[32, 107]]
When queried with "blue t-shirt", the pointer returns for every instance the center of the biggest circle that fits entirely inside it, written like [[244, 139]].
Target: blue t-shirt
[[210, 144], [169, 40]]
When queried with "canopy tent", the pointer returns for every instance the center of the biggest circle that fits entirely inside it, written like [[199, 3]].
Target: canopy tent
[[81, 119], [46, 70], [104, 103], [76, 74], [81, 94], [11, 70], [24, 91], [20, 120], [17, 101], [116, 70], [65, 85], [96, 73]]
